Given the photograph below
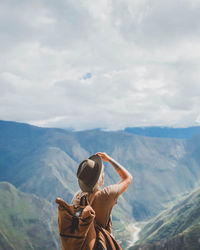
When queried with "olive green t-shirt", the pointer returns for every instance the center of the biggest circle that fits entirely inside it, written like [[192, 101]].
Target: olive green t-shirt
[[103, 203]]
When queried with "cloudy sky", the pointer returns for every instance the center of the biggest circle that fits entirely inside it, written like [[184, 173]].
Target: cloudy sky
[[109, 64]]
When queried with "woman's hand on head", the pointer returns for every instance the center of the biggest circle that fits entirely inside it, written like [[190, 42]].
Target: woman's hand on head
[[104, 156]]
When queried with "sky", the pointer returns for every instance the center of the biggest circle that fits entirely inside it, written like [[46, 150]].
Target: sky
[[106, 64]]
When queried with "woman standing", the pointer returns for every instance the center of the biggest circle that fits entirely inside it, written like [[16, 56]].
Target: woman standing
[[90, 176]]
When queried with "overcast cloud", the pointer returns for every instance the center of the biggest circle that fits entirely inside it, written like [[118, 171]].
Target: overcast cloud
[[108, 64]]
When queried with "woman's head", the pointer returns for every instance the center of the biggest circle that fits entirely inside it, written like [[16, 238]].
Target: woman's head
[[90, 173]]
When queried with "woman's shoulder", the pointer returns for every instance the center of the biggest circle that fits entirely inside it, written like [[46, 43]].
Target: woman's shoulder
[[111, 191]]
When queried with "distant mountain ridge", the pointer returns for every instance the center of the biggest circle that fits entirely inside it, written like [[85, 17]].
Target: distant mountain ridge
[[149, 131], [165, 132]]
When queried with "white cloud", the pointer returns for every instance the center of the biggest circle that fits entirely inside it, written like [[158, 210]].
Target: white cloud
[[110, 64]]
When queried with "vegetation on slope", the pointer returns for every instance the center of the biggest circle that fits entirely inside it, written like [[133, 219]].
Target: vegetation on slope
[[26, 221], [176, 228]]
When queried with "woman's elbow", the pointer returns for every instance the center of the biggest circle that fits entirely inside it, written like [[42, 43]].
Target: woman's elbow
[[130, 178]]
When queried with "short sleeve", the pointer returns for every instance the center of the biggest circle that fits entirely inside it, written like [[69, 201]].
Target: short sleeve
[[112, 192]]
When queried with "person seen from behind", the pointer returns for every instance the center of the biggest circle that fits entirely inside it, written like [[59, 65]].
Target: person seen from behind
[[90, 176]]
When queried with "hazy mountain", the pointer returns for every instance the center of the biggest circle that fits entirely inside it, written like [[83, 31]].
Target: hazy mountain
[[44, 162], [26, 221], [165, 132], [32, 160], [177, 228]]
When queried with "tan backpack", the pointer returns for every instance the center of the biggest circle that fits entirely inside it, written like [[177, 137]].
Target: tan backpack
[[78, 230], [76, 224]]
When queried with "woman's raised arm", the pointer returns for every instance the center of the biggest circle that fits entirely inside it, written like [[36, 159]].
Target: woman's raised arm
[[126, 177]]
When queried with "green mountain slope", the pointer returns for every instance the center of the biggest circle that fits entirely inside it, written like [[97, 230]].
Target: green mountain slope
[[176, 228], [26, 221], [48, 173]]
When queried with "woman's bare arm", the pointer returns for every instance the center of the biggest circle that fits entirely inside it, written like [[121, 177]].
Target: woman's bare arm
[[126, 177]]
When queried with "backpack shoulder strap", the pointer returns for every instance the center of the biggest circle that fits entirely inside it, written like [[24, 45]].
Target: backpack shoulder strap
[[84, 199]]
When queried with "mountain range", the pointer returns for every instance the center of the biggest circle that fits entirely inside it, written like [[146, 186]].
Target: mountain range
[[165, 132], [43, 162]]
